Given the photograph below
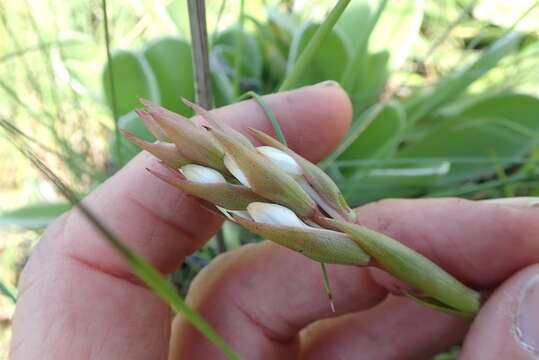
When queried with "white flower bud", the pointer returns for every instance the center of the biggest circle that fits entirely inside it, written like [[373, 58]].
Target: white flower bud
[[202, 174], [281, 159], [273, 214], [235, 170]]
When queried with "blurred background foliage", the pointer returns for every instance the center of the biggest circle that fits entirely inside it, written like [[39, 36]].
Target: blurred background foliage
[[445, 97]]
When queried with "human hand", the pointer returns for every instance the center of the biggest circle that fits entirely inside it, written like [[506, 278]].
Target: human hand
[[79, 300]]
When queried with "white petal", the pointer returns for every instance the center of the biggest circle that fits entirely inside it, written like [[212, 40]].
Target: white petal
[[273, 214], [235, 170], [202, 174], [281, 159]]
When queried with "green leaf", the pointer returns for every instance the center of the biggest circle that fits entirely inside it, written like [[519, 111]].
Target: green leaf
[[397, 30], [171, 63], [250, 72], [223, 91], [178, 13], [329, 61], [354, 23], [251, 54], [132, 77], [8, 291], [502, 126], [455, 84], [370, 80], [80, 61], [33, 216], [379, 137], [404, 181]]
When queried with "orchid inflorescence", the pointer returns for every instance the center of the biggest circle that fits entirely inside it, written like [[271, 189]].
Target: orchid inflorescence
[[279, 195]]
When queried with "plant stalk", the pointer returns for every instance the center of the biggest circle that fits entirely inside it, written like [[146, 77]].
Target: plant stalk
[[200, 49], [312, 47]]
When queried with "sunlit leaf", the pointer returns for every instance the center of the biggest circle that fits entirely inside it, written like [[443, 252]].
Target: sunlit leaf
[[503, 126], [329, 61], [171, 63], [33, 216], [133, 77]]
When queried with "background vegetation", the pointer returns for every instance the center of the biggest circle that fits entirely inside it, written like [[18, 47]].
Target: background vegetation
[[444, 94]]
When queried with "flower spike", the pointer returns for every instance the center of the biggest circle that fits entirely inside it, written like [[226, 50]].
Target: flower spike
[[267, 179], [329, 193]]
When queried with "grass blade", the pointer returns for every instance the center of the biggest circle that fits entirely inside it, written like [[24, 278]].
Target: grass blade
[[114, 104], [138, 264], [313, 46]]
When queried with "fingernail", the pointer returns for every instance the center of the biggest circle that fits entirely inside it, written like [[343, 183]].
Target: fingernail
[[519, 202], [527, 322], [328, 83]]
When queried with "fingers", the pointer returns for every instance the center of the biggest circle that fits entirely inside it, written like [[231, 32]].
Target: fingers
[[274, 293], [260, 296], [396, 329], [508, 325], [75, 301], [480, 243]]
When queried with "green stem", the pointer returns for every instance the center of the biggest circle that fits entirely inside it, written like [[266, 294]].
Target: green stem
[[8, 291], [114, 105], [139, 265], [238, 50], [199, 44], [312, 47], [269, 114]]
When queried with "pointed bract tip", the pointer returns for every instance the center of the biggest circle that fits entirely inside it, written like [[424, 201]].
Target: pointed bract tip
[[145, 102], [127, 133], [188, 103], [130, 136]]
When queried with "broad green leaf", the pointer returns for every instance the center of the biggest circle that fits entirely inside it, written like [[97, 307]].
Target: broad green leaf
[[329, 61], [250, 51], [367, 71], [354, 23], [132, 77], [397, 30], [371, 80], [177, 11], [287, 21], [407, 180], [454, 85], [502, 126], [250, 73], [171, 63], [380, 137], [33, 216], [223, 91], [80, 65]]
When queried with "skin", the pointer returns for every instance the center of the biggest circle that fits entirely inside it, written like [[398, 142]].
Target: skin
[[78, 299]]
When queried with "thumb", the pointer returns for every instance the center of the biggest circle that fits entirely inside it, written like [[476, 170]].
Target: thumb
[[507, 326]]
